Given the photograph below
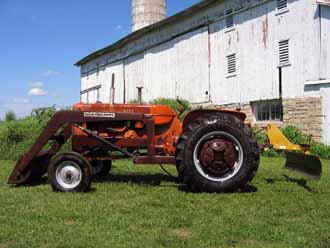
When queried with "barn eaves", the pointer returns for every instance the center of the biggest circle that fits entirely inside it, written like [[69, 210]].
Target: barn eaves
[[140, 33]]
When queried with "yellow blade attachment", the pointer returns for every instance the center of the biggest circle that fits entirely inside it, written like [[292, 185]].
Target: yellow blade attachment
[[298, 157]]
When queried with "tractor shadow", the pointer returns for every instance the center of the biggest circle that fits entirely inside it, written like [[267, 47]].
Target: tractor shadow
[[248, 189], [300, 182], [140, 179], [35, 183], [156, 180], [153, 180]]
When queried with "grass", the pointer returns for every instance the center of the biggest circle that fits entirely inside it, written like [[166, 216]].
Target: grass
[[145, 208]]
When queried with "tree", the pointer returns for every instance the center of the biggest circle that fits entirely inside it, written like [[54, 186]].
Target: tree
[[43, 115], [10, 116]]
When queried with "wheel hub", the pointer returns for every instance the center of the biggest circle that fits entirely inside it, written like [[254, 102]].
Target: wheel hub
[[68, 175], [218, 156]]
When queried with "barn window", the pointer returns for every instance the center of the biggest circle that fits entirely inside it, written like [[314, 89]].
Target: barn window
[[231, 64], [229, 18], [283, 52], [268, 110], [87, 97], [281, 4]]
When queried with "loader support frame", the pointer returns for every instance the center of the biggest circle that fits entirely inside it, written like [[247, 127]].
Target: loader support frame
[[34, 163]]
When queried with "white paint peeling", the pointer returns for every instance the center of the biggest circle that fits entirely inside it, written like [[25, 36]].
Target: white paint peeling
[[171, 62]]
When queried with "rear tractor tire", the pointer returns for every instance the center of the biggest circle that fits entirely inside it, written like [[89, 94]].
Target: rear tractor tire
[[217, 153], [70, 172]]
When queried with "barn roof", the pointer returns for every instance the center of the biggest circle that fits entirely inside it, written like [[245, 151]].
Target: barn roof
[[141, 32]]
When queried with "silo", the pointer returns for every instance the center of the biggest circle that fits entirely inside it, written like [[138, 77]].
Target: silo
[[147, 12]]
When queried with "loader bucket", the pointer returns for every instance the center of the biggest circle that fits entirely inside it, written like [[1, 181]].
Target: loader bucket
[[32, 171], [308, 165], [33, 164], [298, 157]]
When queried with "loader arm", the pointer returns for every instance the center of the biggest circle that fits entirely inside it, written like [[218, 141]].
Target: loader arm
[[34, 163]]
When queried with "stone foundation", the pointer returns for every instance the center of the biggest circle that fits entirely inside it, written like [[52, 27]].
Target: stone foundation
[[304, 113]]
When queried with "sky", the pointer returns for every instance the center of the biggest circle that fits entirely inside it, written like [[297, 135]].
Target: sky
[[41, 40]]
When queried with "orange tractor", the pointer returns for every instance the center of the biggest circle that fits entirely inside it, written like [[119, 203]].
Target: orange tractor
[[213, 150]]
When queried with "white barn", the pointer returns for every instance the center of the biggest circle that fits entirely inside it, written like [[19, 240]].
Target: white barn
[[271, 58]]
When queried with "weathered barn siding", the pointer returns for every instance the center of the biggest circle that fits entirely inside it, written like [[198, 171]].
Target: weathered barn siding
[[134, 75], [254, 40], [188, 58], [325, 42], [301, 27], [325, 73], [161, 72], [117, 69], [326, 113], [319, 85], [192, 66], [176, 68], [253, 45]]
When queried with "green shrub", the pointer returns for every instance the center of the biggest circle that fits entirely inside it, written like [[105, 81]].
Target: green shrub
[[43, 115], [173, 103], [17, 137], [261, 136], [271, 153], [296, 136], [320, 150], [10, 116], [135, 101]]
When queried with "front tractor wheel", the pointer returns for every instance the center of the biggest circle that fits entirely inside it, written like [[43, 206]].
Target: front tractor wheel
[[220, 154], [70, 172]]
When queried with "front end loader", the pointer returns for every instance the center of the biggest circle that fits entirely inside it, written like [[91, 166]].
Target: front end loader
[[213, 150]]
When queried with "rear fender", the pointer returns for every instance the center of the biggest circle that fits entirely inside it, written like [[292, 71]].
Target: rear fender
[[191, 116]]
